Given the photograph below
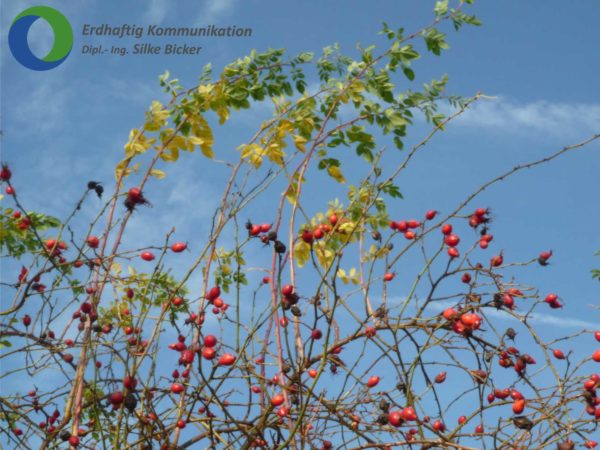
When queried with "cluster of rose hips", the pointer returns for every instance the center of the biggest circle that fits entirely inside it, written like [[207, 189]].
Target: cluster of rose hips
[[289, 296], [266, 235], [451, 240], [186, 357], [20, 221], [87, 311], [5, 175], [127, 397], [134, 198], [55, 248], [591, 386], [462, 323], [48, 424], [407, 227], [263, 232], [552, 300], [309, 235], [35, 282], [590, 394], [512, 357], [277, 401], [507, 299], [519, 402], [479, 217], [207, 351], [135, 340], [398, 417], [214, 298]]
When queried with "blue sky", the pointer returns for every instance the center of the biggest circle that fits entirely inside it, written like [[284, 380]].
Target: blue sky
[[70, 123], [536, 58]]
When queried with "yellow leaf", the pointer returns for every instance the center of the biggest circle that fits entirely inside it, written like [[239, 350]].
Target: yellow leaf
[[138, 143], [275, 153], [120, 168], [253, 153], [341, 273], [204, 89], [292, 193], [324, 254], [300, 142], [336, 174], [223, 113], [116, 268], [159, 174], [179, 142], [196, 140], [203, 136], [301, 252], [170, 154]]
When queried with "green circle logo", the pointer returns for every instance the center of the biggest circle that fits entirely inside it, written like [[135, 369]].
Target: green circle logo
[[63, 38]]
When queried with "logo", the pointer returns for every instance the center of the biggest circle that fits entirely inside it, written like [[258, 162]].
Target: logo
[[63, 38]]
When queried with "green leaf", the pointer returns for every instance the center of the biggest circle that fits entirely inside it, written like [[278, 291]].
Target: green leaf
[[441, 8], [410, 74]]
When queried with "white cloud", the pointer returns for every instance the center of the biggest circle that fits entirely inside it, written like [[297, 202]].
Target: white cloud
[[215, 9], [212, 11], [156, 12], [135, 91], [540, 116], [43, 108]]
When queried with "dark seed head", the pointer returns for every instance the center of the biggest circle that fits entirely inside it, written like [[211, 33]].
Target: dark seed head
[[130, 402], [565, 445], [64, 435], [382, 419], [522, 423], [511, 333], [488, 355], [384, 405], [129, 204], [498, 300]]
